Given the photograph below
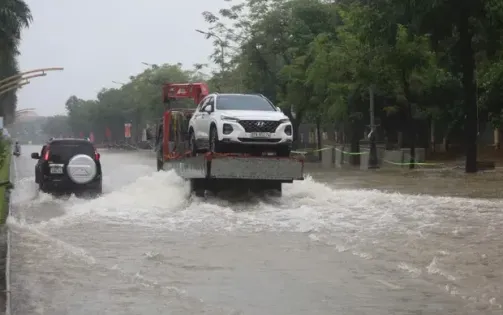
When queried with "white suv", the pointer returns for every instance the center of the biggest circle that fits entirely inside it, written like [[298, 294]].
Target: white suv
[[239, 123]]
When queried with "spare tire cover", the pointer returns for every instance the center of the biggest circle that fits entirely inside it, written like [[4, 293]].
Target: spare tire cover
[[81, 169]]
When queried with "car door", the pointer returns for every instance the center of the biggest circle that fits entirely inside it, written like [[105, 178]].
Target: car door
[[205, 120], [38, 166], [196, 117]]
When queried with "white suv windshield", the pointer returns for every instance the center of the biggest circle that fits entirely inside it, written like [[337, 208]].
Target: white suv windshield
[[243, 102]]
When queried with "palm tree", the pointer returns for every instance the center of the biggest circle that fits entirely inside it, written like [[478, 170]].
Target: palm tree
[[14, 16]]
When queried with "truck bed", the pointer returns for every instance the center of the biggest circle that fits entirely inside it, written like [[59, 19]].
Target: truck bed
[[238, 167]]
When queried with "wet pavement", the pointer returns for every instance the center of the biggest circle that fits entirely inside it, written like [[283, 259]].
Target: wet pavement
[[340, 242]]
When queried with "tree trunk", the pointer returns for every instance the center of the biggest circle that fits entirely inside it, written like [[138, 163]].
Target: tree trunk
[[445, 143], [469, 88], [432, 136], [295, 124], [318, 136], [496, 138], [354, 159], [411, 122]]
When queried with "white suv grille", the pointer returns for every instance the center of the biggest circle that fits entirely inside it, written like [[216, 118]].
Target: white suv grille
[[259, 125]]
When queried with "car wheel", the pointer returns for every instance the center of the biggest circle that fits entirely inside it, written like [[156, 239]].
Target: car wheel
[[193, 145], [283, 151], [98, 191], [215, 146], [197, 187]]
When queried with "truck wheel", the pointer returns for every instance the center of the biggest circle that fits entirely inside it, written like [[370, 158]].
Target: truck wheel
[[215, 146], [197, 187], [275, 188], [283, 151], [193, 145], [268, 188]]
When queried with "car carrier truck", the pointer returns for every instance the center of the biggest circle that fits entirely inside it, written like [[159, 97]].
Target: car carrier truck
[[211, 171]]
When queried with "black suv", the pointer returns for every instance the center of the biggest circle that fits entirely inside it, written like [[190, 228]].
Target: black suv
[[68, 165]]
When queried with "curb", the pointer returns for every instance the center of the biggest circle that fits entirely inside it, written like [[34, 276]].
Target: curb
[[12, 176]]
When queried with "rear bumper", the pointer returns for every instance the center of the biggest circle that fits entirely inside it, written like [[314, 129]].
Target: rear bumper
[[238, 167], [66, 185]]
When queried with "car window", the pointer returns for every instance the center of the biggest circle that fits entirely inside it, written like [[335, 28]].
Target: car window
[[204, 102], [63, 151], [243, 102], [42, 152], [211, 101], [201, 104]]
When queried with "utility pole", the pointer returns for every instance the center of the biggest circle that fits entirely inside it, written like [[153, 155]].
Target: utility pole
[[373, 161]]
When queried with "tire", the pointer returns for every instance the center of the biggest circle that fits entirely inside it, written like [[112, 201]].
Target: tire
[[214, 145], [81, 169], [197, 187], [98, 191], [277, 189], [283, 151], [192, 143], [274, 188]]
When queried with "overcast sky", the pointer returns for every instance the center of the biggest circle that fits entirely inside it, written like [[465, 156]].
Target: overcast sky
[[98, 41]]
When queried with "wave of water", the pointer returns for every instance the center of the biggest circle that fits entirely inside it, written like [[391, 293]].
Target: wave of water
[[448, 240]]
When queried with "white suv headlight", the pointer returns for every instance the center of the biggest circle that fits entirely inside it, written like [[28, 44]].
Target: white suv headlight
[[228, 118]]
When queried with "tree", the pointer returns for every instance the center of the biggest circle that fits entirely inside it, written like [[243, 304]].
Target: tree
[[56, 126], [468, 23], [138, 102], [419, 56], [14, 16]]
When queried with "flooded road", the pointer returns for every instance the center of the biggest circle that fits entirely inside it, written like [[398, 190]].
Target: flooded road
[[326, 247]]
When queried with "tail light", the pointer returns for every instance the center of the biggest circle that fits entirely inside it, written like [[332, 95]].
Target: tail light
[[46, 155], [97, 156]]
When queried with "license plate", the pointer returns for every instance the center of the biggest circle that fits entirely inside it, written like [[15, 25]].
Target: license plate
[[260, 135], [56, 170]]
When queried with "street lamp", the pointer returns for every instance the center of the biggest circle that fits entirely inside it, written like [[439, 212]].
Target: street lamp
[[20, 75], [17, 86], [222, 46], [19, 80]]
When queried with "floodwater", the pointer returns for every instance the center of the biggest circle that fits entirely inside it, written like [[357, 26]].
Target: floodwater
[[339, 242]]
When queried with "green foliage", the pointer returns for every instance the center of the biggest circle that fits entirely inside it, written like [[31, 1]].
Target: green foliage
[[321, 57], [57, 126], [319, 60], [139, 102], [5, 157], [14, 16]]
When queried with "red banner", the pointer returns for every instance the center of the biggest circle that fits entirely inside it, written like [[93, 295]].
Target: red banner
[[127, 130]]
